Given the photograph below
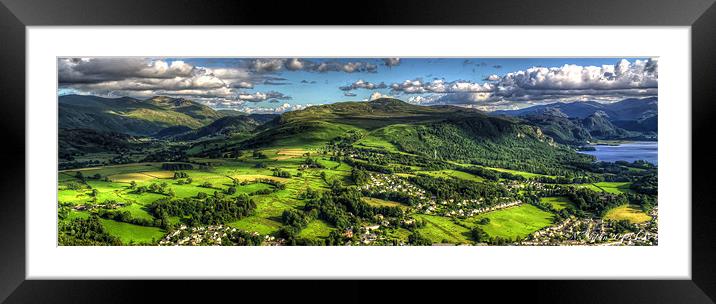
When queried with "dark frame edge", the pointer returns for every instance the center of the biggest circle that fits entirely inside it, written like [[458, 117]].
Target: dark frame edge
[[703, 248], [12, 209]]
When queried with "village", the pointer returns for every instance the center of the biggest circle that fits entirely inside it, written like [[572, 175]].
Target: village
[[383, 184], [212, 235], [588, 231]]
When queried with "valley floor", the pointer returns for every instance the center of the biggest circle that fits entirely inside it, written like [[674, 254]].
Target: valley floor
[[279, 179]]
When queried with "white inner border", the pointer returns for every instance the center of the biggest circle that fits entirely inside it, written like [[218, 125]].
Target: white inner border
[[671, 259]]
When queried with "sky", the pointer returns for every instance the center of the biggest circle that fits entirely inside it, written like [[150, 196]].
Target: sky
[[275, 85]]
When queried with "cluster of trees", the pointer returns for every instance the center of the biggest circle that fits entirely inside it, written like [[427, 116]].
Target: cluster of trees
[[588, 201], [126, 217], [207, 211], [594, 202], [206, 185], [385, 158], [242, 238], [179, 174], [85, 232], [261, 192], [72, 185], [623, 226], [343, 206], [359, 176], [495, 175], [176, 166], [162, 188], [459, 189], [186, 181], [490, 143], [258, 155], [417, 239], [169, 155], [278, 172], [366, 165], [346, 140], [312, 163], [293, 222], [648, 184], [276, 184], [79, 164], [230, 191], [488, 174]]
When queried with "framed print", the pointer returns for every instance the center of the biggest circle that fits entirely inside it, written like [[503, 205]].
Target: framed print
[[388, 146]]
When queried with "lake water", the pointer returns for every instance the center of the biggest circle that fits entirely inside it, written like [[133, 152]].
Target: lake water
[[642, 150]]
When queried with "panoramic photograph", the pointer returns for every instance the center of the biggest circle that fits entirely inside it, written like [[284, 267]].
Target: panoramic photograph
[[235, 151]]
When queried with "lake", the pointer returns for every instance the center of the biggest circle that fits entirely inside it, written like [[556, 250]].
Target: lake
[[641, 150]]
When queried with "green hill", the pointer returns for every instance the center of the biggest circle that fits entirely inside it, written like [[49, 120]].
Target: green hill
[[200, 112], [444, 133], [374, 114], [560, 127], [73, 141], [131, 116], [225, 126]]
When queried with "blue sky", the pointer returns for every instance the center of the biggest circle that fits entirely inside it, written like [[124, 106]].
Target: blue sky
[[281, 84]]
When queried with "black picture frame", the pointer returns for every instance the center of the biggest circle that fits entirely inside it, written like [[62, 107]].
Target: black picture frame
[[700, 15]]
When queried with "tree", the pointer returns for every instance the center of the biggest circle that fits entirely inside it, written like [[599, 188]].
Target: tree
[[132, 185], [231, 190], [418, 239], [477, 234]]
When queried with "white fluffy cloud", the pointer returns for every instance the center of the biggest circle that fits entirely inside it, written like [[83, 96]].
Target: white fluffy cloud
[[262, 96], [493, 77], [146, 77], [376, 95], [641, 74], [417, 86], [391, 62], [285, 107], [263, 65], [92, 70], [362, 84], [567, 83]]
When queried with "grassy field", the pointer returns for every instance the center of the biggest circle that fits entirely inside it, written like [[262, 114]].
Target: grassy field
[[453, 174], [627, 212], [558, 203], [512, 222], [521, 173], [266, 219], [316, 229], [441, 229], [379, 202], [610, 187], [129, 233], [614, 187]]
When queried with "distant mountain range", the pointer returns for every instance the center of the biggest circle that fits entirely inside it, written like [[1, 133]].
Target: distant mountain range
[[579, 122], [223, 126], [132, 116], [92, 124]]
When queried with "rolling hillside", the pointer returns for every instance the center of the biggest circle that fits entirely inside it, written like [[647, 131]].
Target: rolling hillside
[[131, 116], [578, 122], [443, 133]]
